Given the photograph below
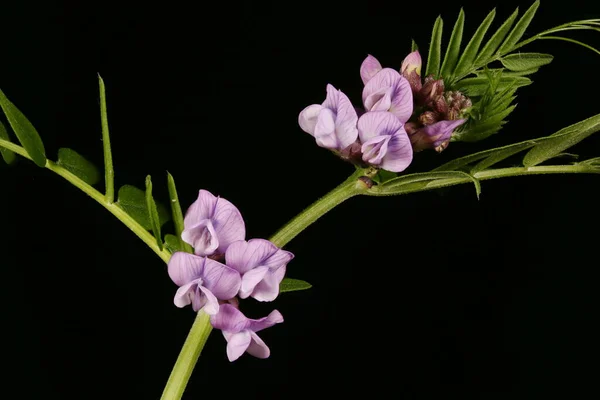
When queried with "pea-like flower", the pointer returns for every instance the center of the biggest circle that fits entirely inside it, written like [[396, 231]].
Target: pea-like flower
[[333, 123], [385, 143], [387, 90], [436, 136], [211, 224], [203, 281], [262, 266], [240, 331]]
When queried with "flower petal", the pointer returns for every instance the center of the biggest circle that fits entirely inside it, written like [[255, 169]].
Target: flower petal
[[229, 319], [375, 149], [431, 136], [377, 123], [184, 267], [209, 302], [332, 99], [412, 62], [201, 209], [224, 282], [268, 288], [380, 100], [308, 118], [251, 279], [345, 122], [243, 256], [257, 347], [325, 129], [202, 237], [186, 293], [237, 344], [229, 224], [369, 68], [401, 94], [399, 153], [257, 325]]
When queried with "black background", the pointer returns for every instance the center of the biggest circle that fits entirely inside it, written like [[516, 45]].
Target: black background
[[415, 296]]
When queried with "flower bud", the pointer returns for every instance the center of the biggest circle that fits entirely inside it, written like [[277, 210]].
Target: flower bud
[[436, 136], [429, 118], [411, 70], [432, 89]]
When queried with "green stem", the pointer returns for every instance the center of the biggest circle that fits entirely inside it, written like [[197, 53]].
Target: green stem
[[188, 356], [349, 188], [100, 198], [490, 174], [109, 172]]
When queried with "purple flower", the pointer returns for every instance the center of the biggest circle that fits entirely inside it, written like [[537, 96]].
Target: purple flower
[[389, 91], [212, 224], [385, 143], [369, 68], [240, 331], [262, 266], [411, 70], [435, 136], [203, 282], [333, 123]]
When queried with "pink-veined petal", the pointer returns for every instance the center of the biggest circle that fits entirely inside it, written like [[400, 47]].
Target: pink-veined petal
[[201, 209], [399, 153], [237, 344], [257, 347], [325, 129], [209, 304], [229, 224], [369, 68], [251, 279], [268, 288], [257, 325], [224, 282], [186, 293], [375, 149], [184, 267], [229, 319], [243, 256], [377, 123], [202, 237], [308, 118]]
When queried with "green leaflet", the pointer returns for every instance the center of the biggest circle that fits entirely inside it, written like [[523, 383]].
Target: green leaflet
[[526, 61], [435, 49], [562, 140], [292, 285], [466, 62], [25, 131], [474, 87], [153, 213], [519, 29], [486, 53], [133, 201], [403, 184], [8, 156], [451, 57], [173, 243], [78, 166], [176, 213]]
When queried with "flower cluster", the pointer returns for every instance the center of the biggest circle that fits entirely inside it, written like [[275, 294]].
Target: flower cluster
[[436, 113], [401, 115], [225, 266]]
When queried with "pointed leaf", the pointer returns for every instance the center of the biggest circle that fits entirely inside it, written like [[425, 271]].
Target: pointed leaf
[[496, 153], [78, 166], [451, 57], [153, 212], [467, 60], [292, 285], [526, 61], [25, 131], [474, 87], [413, 46], [173, 243], [176, 213], [496, 40], [133, 201], [405, 183], [515, 35], [8, 156], [435, 49], [562, 140]]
